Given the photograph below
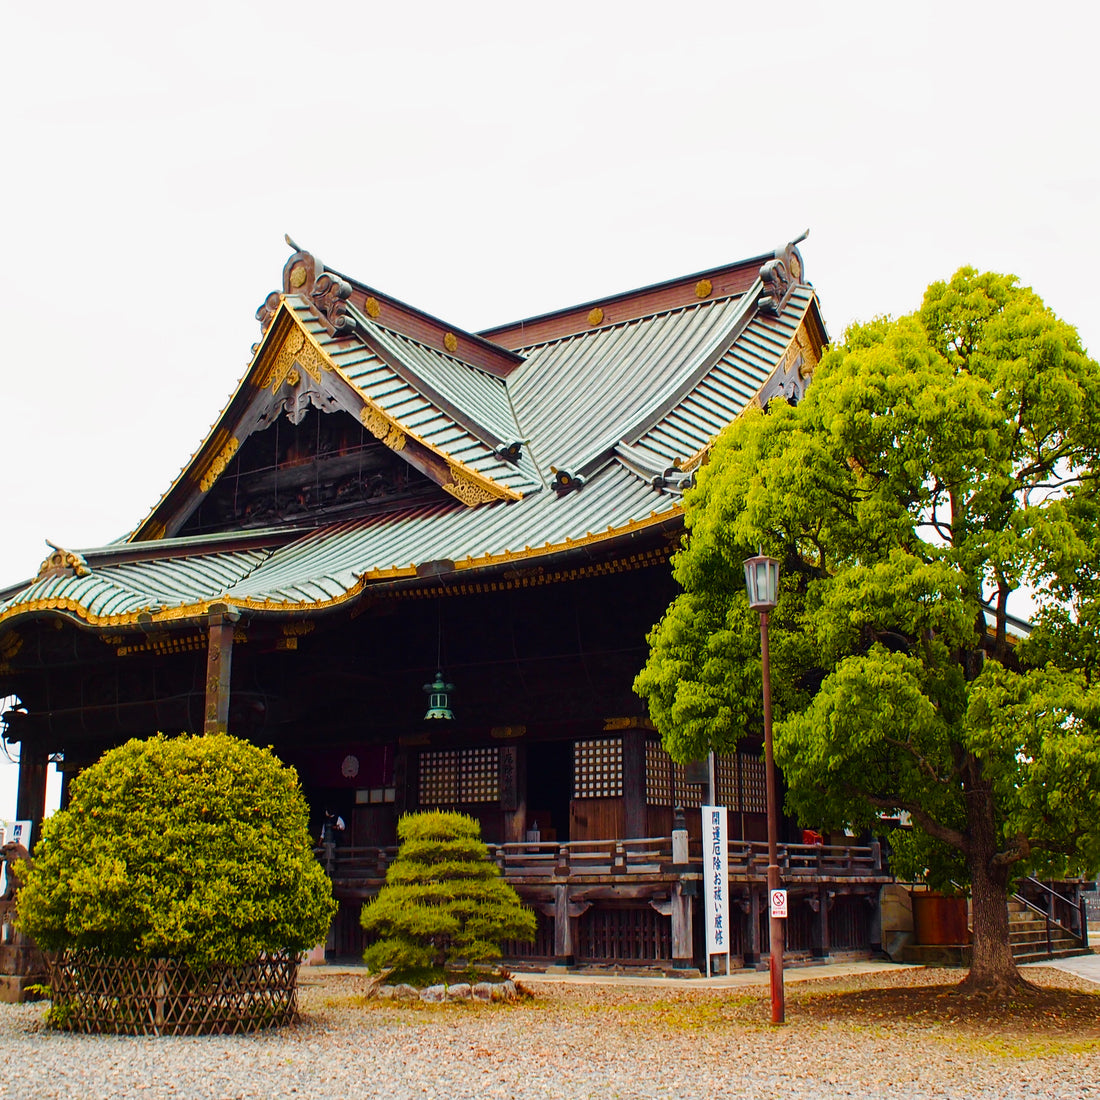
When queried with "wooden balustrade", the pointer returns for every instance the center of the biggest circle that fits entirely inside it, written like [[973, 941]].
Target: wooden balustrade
[[365, 867]]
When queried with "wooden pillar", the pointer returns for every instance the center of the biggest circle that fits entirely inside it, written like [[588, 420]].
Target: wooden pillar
[[219, 657], [66, 780], [820, 904], [752, 938], [513, 792], [30, 799], [683, 929], [634, 793], [401, 781], [563, 927], [875, 901], [682, 900]]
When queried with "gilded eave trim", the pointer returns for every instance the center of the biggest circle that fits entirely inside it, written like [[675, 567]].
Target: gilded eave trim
[[187, 469], [199, 610], [265, 371], [393, 433]]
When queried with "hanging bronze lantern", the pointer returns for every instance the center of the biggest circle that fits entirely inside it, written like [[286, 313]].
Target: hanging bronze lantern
[[439, 700]]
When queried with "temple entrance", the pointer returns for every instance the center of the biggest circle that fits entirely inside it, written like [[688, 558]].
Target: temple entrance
[[549, 786]]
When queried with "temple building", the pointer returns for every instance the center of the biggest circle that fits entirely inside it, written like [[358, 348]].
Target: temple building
[[421, 563]]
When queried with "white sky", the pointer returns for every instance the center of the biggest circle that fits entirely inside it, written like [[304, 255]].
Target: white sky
[[485, 161]]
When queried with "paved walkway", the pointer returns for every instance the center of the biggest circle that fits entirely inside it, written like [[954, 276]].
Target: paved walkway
[[1084, 966], [721, 981], [738, 978]]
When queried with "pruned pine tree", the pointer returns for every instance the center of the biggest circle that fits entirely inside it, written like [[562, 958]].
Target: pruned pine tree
[[444, 900]]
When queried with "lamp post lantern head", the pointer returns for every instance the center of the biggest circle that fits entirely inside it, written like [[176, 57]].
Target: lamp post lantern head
[[762, 582], [439, 700]]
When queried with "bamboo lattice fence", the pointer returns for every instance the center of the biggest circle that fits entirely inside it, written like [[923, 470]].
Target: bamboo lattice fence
[[101, 994]]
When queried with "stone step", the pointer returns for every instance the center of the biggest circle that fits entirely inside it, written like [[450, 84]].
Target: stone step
[[1042, 956], [17, 988], [1027, 926], [1038, 934]]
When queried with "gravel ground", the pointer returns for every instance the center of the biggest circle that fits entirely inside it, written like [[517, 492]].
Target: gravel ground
[[570, 1041]]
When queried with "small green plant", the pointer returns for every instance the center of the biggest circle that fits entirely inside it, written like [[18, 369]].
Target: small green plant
[[194, 848], [443, 900]]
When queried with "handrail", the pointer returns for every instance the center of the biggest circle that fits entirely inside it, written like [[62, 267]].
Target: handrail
[[1052, 896], [631, 856]]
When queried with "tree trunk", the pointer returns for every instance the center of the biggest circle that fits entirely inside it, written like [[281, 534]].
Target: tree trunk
[[992, 967]]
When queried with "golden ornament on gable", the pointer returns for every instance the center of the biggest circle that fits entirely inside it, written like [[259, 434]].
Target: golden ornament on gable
[[810, 357], [703, 288], [470, 489], [298, 276], [450, 342], [61, 562], [372, 307], [217, 467], [382, 427], [596, 316], [296, 348]]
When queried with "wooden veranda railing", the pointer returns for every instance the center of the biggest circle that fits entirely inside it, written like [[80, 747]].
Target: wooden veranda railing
[[364, 868]]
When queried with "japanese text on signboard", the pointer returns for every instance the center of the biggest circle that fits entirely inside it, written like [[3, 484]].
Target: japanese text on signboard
[[715, 879]]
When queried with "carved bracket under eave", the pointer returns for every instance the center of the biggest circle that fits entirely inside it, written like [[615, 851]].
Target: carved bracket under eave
[[791, 377]]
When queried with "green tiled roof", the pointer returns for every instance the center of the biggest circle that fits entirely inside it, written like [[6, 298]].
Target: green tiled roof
[[618, 404]]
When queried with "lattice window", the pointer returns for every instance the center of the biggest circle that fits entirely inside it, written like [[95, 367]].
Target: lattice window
[[754, 788], [479, 775], [658, 775], [456, 777], [726, 780], [598, 768], [665, 781], [689, 796]]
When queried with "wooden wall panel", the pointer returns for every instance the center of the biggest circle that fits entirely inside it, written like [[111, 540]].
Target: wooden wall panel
[[597, 819]]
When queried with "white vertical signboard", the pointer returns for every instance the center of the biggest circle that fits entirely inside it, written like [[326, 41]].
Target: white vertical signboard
[[716, 883], [13, 832]]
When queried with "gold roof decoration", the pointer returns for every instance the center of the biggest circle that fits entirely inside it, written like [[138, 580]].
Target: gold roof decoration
[[62, 561]]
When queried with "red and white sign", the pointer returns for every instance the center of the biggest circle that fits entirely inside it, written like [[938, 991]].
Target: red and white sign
[[779, 903]]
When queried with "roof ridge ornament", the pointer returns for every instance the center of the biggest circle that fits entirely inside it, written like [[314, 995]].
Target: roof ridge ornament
[[510, 452], [62, 562], [330, 296], [781, 274], [305, 276], [564, 481]]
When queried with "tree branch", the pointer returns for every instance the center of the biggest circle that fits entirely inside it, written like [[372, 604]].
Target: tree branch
[[922, 761], [921, 816]]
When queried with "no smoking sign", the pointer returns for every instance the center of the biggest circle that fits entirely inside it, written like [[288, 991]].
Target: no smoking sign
[[779, 903]]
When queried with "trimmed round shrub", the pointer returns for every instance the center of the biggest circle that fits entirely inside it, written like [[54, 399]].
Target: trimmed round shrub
[[444, 900], [194, 847]]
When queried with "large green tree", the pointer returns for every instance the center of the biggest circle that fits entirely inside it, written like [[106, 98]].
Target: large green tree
[[939, 463]]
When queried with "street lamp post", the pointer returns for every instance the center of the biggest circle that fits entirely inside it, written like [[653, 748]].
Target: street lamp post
[[762, 582]]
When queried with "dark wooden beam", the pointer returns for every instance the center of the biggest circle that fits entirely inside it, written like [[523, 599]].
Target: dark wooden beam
[[30, 799], [219, 658]]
